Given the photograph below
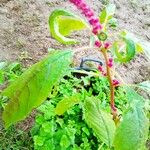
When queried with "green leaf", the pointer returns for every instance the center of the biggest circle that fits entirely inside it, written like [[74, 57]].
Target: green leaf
[[100, 121], [69, 24], [14, 66], [129, 53], [39, 141], [65, 142], [67, 103], [107, 14], [62, 23], [33, 86], [145, 86], [132, 133], [141, 44], [113, 23], [103, 16], [48, 127], [133, 95], [2, 77], [139, 48]]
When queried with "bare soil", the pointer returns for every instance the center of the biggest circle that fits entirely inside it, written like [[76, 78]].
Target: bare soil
[[24, 33]]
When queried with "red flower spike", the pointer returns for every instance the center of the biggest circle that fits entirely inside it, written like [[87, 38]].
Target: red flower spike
[[95, 31], [110, 64], [94, 21], [97, 27], [116, 82], [85, 9], [110, 60], [104, 74], [98, 43], [100, 68], [89, 14], [107, 45], [81, 6]]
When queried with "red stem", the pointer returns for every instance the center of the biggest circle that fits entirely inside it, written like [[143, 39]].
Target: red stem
[[112, 88]]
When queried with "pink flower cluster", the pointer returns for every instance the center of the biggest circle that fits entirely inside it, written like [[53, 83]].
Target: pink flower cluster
[[107, 45], [89, 14], [116, 82], [94, 21], [110, 62], [100, 68]]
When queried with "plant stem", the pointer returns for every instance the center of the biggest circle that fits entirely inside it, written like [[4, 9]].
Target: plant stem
[[112, 88]]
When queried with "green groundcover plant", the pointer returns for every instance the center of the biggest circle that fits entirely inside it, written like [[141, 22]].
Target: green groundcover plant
[[97, 111], [61, 122]]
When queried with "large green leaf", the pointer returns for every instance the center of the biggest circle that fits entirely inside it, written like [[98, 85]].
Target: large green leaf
[[100, 121], [67, 103], [32, 88], [62, 23], [132, 132], [129, 52]]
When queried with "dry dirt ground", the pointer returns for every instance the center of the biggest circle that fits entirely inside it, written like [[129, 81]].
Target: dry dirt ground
[[24, 33]]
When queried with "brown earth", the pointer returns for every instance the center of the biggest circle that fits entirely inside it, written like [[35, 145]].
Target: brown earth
[[24, 33]]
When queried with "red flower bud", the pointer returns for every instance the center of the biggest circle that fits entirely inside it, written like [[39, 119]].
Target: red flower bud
[[110, 60], [116, 82], [107, 45], [100, 68], [93, 21], [89, 14], [98, 43]]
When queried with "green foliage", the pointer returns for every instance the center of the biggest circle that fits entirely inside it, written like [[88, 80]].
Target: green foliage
[[127, 54], [70, 24], [106, 15], [67, 103], [15, 139], [62, 23], [132, 132], [113, 23], [9, 71], [133, 95], [100, 121], [138, 45], [139, 48], [32, 88], [70, 131], [76, 105]]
